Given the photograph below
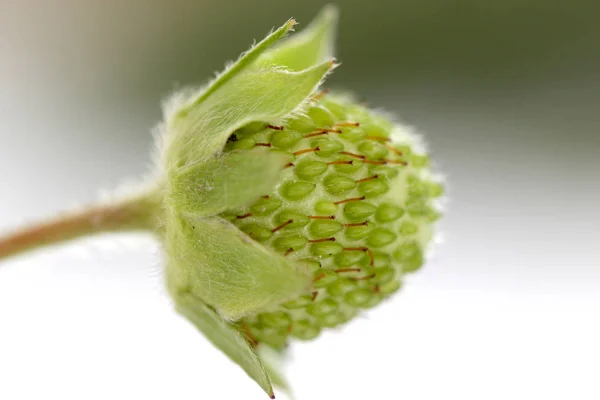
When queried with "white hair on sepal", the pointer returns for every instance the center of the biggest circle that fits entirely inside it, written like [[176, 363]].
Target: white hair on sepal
[[182, 98], [171, 105], [157, 152], [179, 98]]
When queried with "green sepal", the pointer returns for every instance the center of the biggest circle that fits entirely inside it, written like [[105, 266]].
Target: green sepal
[[227, 182], [245, 60], [227, 269], [198, 129], [313, 45], [225, 337], [255, 95]]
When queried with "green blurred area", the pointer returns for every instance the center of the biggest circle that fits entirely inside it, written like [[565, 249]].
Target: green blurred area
[[531, 64], [411, 39], [147, 46]]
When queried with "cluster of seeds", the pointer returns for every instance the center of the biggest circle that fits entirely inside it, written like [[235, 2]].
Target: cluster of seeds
[[355, 204]]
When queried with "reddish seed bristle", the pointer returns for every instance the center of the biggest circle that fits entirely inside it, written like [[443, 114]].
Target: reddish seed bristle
[[288, 252], [322, 217], [356, 249], [348, 162], [244, 216], [357, 224], [331, 239], [379, 162], [347, 270], [355, 124], [363, 278], [366, 250], [318, 278], [337, 203], [395, 150], [370, 178], [399, 162], [315, 294], [316, 133], [311, 150], [288, 165], [382, 162], [274, 127], [286, 223], [371, 256], [249, 336], [323, 131], [347, 153]]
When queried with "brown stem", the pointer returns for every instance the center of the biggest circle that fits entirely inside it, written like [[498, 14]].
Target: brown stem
[[128, 215]]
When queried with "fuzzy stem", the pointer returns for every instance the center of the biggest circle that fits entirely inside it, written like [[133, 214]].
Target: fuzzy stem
[[132, 214]]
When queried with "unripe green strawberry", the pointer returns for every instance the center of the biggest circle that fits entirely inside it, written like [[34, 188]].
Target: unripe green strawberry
[[287, 210], [354, 203]]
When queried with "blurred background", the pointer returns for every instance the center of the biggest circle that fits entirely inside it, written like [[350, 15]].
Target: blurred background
[[507, 95]]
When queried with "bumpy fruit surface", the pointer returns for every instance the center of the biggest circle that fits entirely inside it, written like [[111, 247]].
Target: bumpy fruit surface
[[286, 210], [355, 204]]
